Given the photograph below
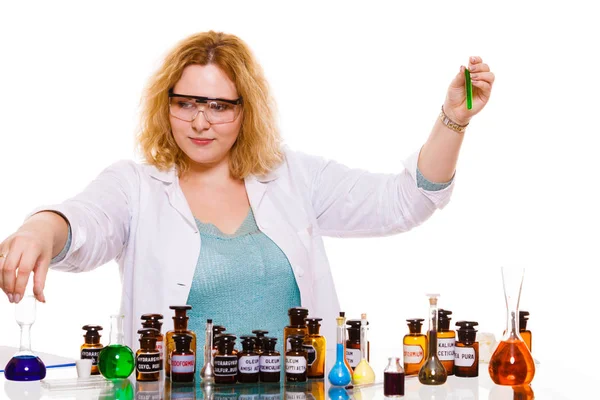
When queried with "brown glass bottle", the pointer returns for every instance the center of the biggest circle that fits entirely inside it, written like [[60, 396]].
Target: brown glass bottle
[[297, 325], [466, 351], [353, 343], [525, 334], [217, 330], [316, 349], [91, 347], [155, 321], [147, 358], [270, 361], [446, 339], [183, 359], [296, 360], [225, 361], [248, 361], [180, 321], [260, 334], [414, 346]]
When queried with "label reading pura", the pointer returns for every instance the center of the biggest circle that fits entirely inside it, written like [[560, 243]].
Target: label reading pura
[[464, 356], [249, 365], [148, 362], [295, 365], [91, 354], [270, 364], [312, 353], [446, 349], [183, 364], [413, 354], [226, 365], [353, 357]]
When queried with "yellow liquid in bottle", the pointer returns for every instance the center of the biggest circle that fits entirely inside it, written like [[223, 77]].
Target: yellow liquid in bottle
[[363, 373]]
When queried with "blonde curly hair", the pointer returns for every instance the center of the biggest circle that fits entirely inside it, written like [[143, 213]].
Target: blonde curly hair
[[257, 149]]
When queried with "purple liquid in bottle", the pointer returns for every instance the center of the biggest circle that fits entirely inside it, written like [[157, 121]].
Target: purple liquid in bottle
[[393, 384], [25, 368]]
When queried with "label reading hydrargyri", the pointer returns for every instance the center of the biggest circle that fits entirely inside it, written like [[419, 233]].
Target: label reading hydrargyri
[[295, 365], [147, 363], [183, 364], [312, 353], [91, 354], [226, 365], [464, 356], [249, 364], [270, 363], [353, 357], [413, 354], [446, 349]]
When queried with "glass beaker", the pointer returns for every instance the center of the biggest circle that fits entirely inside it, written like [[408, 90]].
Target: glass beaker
[[25, 366], [512, 363]]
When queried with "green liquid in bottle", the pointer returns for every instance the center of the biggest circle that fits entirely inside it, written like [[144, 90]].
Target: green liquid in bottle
[[116, 362]]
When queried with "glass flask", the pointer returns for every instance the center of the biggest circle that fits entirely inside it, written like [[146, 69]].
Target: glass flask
[[432, 372], [511, 363], [363, 373], [25, 366], [339, 375], [116, 361]]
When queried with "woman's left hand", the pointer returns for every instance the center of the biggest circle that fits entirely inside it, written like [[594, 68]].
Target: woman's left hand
[[482, 80]]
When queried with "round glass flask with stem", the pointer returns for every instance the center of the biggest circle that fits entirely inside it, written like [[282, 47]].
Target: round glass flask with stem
[[432, 372]]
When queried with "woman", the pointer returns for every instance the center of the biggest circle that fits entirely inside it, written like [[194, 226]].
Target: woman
[[221, 217]]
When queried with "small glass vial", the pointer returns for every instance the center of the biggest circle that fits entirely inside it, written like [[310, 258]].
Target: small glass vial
[[466, 352], [260, 334], [525, 334], [270, 361], [297, 325], [393, 378], [183, 359], [155, 321], [147, 358], [296, 360], [353, 343], [248, 361], [414, 346], [226, 361], [446, 339], [316, 348], [91, 347]]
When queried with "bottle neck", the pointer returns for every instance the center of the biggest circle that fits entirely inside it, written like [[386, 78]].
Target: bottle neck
[[432, 333], [209, 342], [25, 344], [180, 324], [363, 341], [116, 331], [512, 280]]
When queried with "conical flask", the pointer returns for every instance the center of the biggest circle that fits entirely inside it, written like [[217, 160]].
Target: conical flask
[[432, 372], [512, 363]]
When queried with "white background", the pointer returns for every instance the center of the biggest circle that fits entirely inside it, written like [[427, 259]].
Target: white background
[[361, 84]]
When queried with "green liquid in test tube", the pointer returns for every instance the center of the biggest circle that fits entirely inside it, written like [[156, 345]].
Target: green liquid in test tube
[[469, 89]]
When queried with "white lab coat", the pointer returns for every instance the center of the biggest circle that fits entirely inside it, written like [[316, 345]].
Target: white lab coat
[[139, 215]]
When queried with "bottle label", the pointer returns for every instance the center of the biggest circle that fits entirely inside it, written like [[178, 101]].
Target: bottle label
[[464, 356], [353, 357], [446, 349], [226, 365], [295, 365], [312, 353], [91, 354], [148, 363], [270, 363], [413, 354], [183, 364], [249, 364], [295, 395]]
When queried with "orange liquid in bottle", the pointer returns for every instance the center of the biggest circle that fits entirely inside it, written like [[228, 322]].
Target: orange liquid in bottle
[[511, 364]]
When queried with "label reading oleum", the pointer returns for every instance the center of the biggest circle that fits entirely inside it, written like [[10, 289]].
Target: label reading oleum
[[270, 363], [183, 364], [413, 354], [446, 349], [295, 365], [464, 356], [353, 357], [249, 365]]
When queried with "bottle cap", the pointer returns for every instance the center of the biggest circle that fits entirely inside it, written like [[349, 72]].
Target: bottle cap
[[248, 342], [152, 321], [260, 333], [225, 342], [92, 334], [353, 327], [313, 325], [217, 330], [444, 320], [182, 342], [270, 343], [467, 332], [296, 342], [148, 332], [415, 324]]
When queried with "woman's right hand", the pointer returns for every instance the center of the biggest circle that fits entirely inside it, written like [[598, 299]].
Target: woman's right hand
[[28, 250]]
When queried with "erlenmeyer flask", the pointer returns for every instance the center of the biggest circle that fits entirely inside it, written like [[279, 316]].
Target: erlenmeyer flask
[[25, 366], [512, 363]]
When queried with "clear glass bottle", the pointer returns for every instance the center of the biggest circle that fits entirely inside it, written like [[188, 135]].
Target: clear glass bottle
[[363, 373], [316, 348], [466, 352], [414, 346], [24, 365], [297, 325], [432, 371], [91, 347], [512, 364], [207, 373], [147, 358], [393, 378], [340, 375], [116, 361]]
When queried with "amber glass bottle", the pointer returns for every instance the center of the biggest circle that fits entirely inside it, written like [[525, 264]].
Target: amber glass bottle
[[226, 361], [155, 321], [180, 321], [91, 347], [353, 343], [525, 334], [316, 349], [466, 351], [217, 330], [296, 360], [260, 335], [297, 325], [147, 358], [248, 361], [183, 359], [414, 346], [270, 361], [446, 339]]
